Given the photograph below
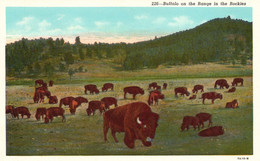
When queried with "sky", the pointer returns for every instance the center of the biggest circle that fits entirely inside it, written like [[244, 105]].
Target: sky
[[110, 24]]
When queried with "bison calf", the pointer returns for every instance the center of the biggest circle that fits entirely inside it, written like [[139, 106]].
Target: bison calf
[[155, 96], [233, 89], [212, 131]]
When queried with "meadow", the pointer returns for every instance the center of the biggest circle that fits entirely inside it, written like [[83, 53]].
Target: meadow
[[83, 135]]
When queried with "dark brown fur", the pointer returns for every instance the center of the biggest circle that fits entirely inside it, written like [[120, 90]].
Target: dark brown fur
[[238, 80], [21, 110], [107, 86], [109, 101], [211, 95], [221, 83], [95, 105], [204, 117], [233, 104], [134, 90], [54, 112], [40, 112], [190, 120], [182, 91], [212, 131], [198, 87]]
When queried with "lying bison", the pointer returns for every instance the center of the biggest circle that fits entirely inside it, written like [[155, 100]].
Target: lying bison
[[221, 83], [182, 90], [134, 90], [212, 131], [236, 81], [190, 120], [40, 112], [107, 86], [231, 90], [136, 120], [192, 97], [198, 87], [21, 110], [54, 112], [233, 104], [109, 101], [211, 95]]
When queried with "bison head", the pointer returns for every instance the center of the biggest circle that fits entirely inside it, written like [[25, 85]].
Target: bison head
[[219, 96], [227, 86], [96, 91], [141, 91], [146, 126]]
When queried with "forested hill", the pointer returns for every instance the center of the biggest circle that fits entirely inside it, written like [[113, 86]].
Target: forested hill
[[223, 39]]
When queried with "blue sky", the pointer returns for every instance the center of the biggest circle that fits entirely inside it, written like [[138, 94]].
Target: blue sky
[[110, 24]]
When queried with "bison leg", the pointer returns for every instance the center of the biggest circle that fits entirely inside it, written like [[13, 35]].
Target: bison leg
[[129, 140], [212, 102], [134, 96], [210, 123], [113, 132], [203, 100], [63, 118], [124, 95]]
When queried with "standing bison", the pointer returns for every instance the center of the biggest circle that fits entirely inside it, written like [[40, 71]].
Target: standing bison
[[221, 83], [107, 86], [237, 80], [211, 95], [198, 87], [109, 101], [40, 112], [21, 110], [204, 117], [134, 90], [54, 112], [95, 105], [190, 120], [136, 120], [155, 96], [91, 88], [182, 91]]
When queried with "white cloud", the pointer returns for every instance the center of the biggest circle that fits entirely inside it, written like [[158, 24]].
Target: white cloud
[[101, 23], [140, 17], [181, 21], [60, 17], [44, 24], [75, 27], [78, 20], [25, 21], [159, 20]]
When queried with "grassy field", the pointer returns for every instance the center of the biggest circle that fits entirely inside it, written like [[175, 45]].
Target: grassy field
[[83, 135]]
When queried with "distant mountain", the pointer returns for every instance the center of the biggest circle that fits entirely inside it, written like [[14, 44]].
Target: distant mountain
[[218, 40]]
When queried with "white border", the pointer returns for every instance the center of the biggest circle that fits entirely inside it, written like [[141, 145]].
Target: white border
[[127, 3]]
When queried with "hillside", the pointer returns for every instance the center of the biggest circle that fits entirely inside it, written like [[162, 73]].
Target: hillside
[[218, 40]]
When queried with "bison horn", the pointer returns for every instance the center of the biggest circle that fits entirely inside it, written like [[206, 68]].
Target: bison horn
[[138, 121]]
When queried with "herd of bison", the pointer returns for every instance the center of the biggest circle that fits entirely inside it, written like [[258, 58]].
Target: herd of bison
[[135, 119]]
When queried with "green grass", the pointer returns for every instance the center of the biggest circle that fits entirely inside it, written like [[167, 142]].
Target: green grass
[[83, 135]]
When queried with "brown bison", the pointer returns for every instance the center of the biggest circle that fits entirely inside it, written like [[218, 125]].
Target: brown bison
[[81, 100], [204, 117], [136, 120], [66, 101], [211, 95], [212, 131], [237, 80], [190, 120], [53, 100], [155, 96], [222, 83], [182, 91], [51, 83], [109, 101], [40, 112], [152, 85], [157, 87], [39, 95], [91, 88], [192, 97], [233, 104], [73, 106], [39, 81], [165, 85], [198, 87], [233, 89], [9, 109], [54, 112], [21, 110], [95, 105], [134, 90], [107, 86]]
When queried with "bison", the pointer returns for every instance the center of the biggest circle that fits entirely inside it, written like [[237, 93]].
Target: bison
[[21, 110], [66, 101], [152, 85], [231, 90], [182, 91], [204, 117], [107, 86], [81, 100], [73, 106], [40, 112], [91, 88], [134, 90], [237, 80], [39, 81], [212, 96], [109, 101], [95, 105], [165, 85], [155, 96], [192, 97], [136, 120], [198, 87], [212, 131], [222, 83], [51, 83], [190, 120], [233, 104], [53, 100], [54, 112]]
